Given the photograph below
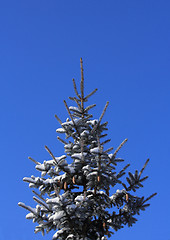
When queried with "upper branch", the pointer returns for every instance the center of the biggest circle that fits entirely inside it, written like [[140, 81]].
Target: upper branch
[[82, 86]]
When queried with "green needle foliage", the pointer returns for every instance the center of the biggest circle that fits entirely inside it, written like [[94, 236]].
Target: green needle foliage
[[74, 199]]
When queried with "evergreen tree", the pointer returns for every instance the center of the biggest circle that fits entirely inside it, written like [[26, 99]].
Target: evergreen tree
[[74, 199]]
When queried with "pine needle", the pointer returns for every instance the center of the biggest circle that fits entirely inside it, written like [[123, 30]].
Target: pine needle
[[78, 104], [120, 146], [143, 167], [71, 118], [82, 79], [106, 141], [39, 195], [75, 88], [90, 94], [82, 87], [33, 160], [151, 196], [51, 154], [41, 203], [104, 110], [58, 119], [61, 140], [108, 150], [120, 173]]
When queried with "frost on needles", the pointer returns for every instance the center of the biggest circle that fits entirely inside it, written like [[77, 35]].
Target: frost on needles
[[74, 199]]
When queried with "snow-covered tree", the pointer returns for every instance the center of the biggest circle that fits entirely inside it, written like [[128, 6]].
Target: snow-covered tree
[[74, 198]]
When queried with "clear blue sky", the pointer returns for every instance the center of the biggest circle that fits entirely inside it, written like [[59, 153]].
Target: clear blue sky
[[125, 46]]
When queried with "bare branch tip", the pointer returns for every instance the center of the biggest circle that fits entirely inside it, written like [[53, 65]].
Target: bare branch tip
[[33, 160], [46, 147], [56, 116], [48, 150]]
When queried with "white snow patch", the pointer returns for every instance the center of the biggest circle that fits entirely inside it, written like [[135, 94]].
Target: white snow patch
[[93, 122], [57, 234], [76, 121], [50, 162], [60, 178], [53, 200], [79, 198], [92, 174], [87, 167], [95, 150], [57, 215], [60, 130], [48, 181], [70, 236], [30, 216], [118, 191], [60, 158], [84, 133]]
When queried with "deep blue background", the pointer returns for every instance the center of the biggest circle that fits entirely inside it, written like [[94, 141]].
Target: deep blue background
[[125, 46]]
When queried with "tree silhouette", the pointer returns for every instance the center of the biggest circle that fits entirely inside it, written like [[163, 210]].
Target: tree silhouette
[[74, 199]]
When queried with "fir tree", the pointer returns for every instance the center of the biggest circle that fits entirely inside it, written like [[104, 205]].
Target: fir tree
[[74, 199]]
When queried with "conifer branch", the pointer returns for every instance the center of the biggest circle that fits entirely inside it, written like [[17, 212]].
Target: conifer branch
[[78, 104], [104, 110], [67, 134], [106, 141], [82, 87], [82, 148], [51, 154], [151, 196], [90, 94], [89, 107], [33, 160], [75, 88], [53, 157], [71, 98], [144, 178], [61, 140], [120, 146], [103, 135], [99, 156], [83, 160], [82, 79], [71, 118], [121, 173], [39, 195], [42, 203], [108, 150], [143, 167], [58, 119], [27, 208]]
